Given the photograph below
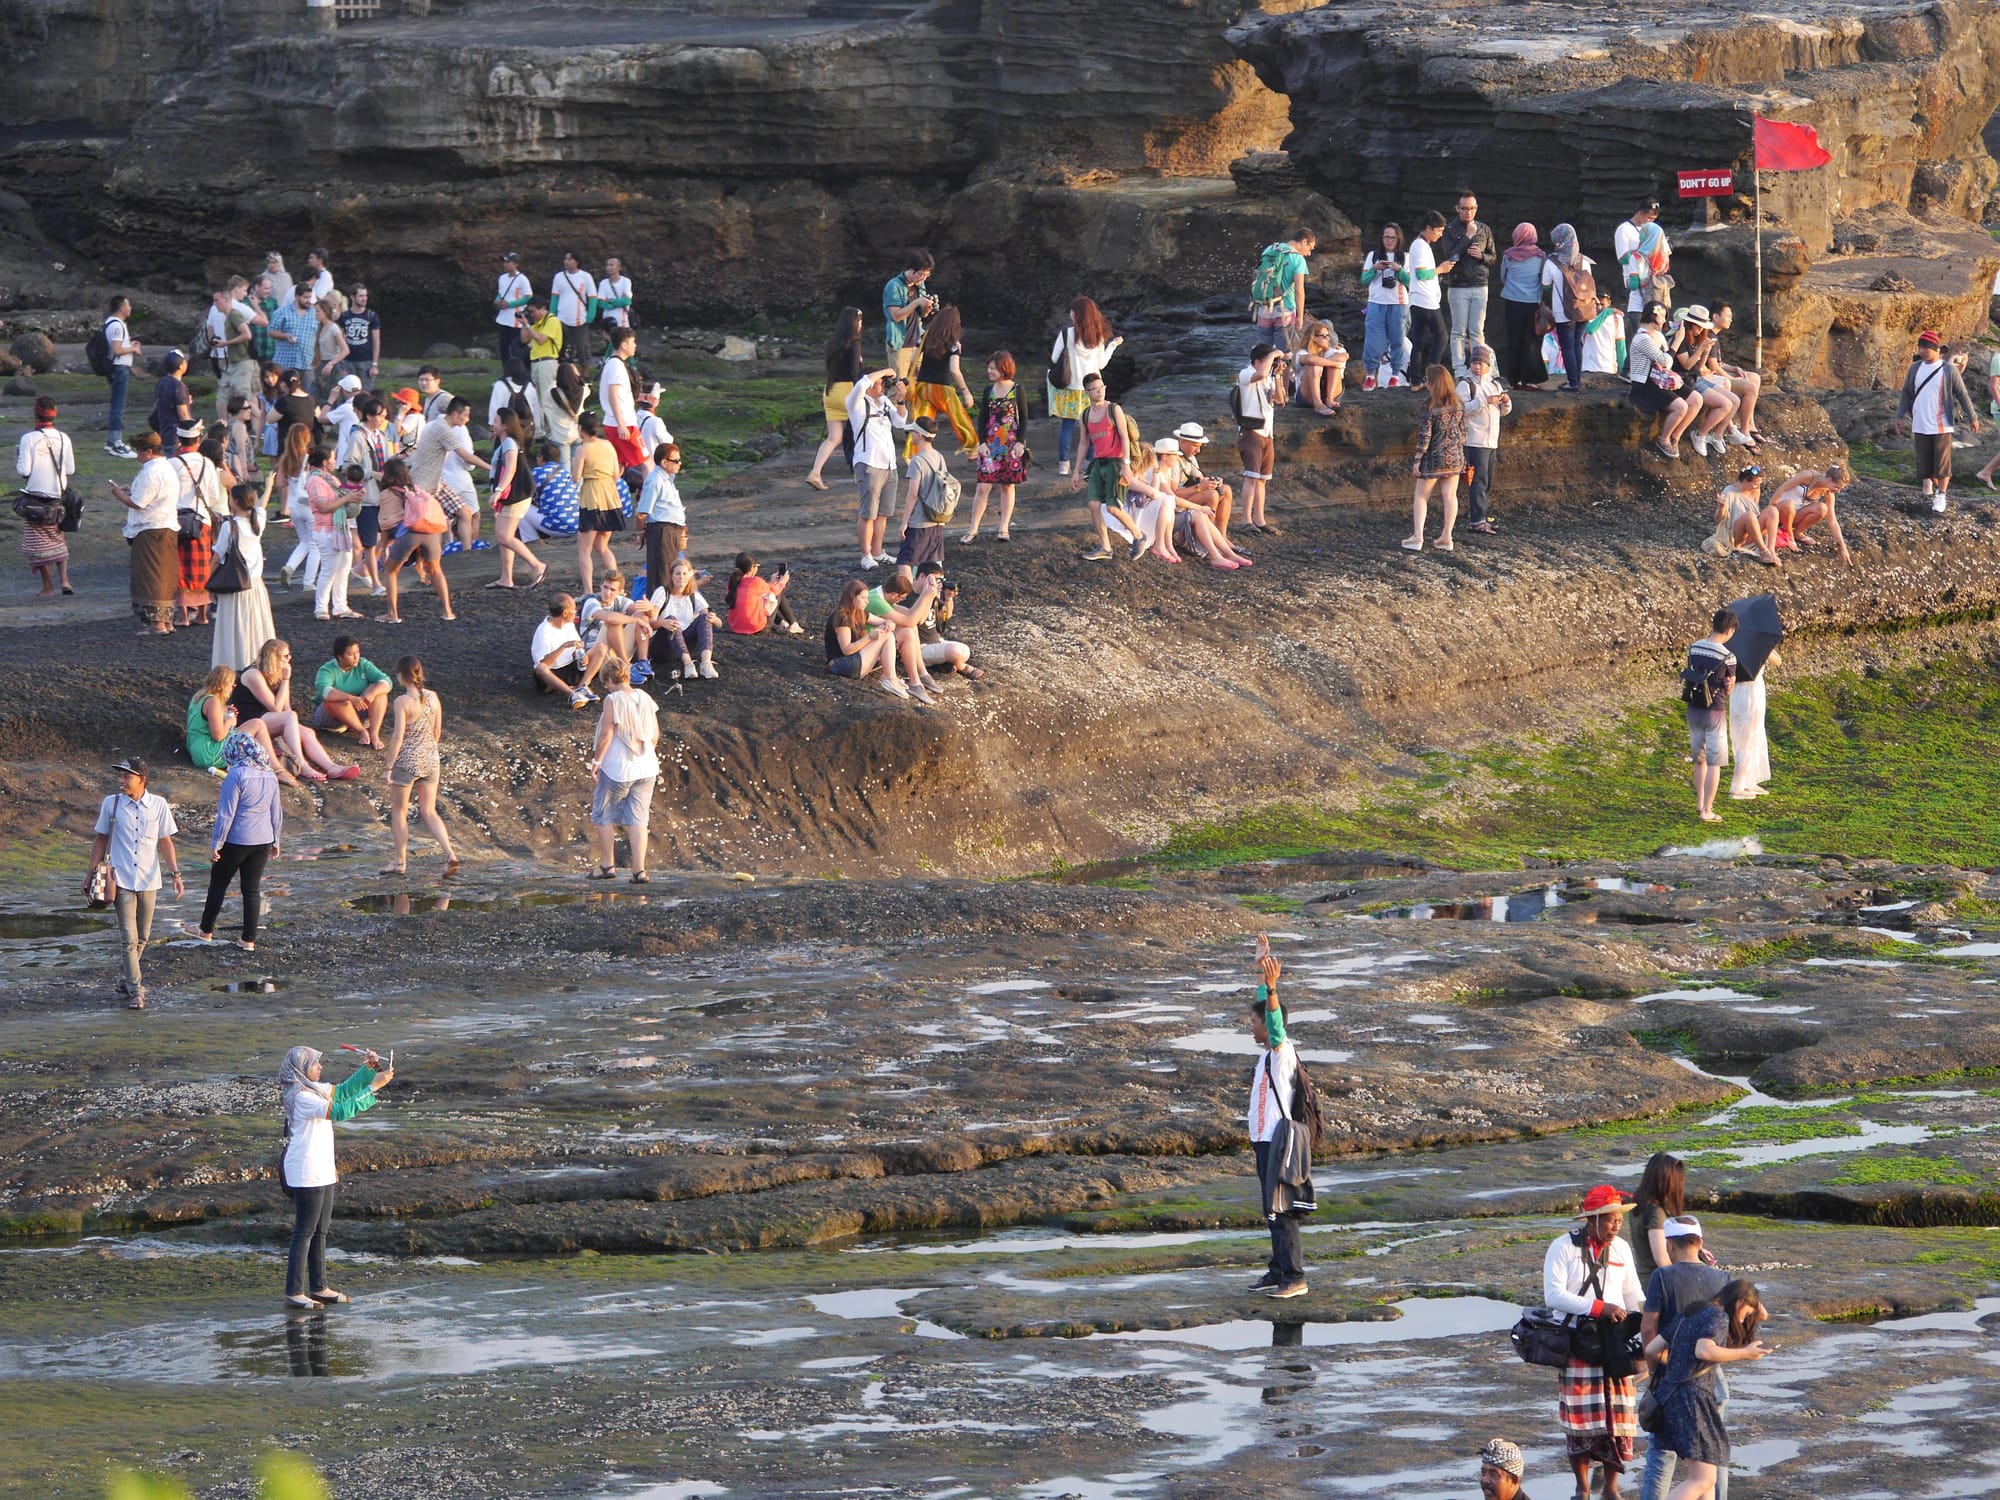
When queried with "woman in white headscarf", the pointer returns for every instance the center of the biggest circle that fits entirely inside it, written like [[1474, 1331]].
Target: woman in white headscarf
[[310, 1108]]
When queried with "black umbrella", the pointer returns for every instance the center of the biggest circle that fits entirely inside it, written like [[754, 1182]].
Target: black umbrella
[[1758, 631]]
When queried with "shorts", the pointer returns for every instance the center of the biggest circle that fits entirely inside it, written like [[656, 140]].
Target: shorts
[[513, 510], [1101, 481], [1258, 452], [904, 360], [1933, 457], [321, 719], [921, 544], [239, 379], [1652, 399], [599, 520], [869, 484], [1708, 742], [1281, 319], [430, 543], [622, 804], [845, 666], [568, 672], [368, 525]]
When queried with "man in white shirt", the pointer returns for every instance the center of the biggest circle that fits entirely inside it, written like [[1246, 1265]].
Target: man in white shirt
[[1486, 402], [318, 276], [614, 394], [614, 294], [1625, 246], [561, 661], [510, 298], [135, 835], [1257, 399], [215, 331], [874, 415], [1924, 411], [572, 291], [1273, 1093], [118, 338], [1427, 335], [342, 417], [652, 431]]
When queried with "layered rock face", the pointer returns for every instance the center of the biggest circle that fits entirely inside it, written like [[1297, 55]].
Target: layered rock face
[[739, 161], [1558, 112]]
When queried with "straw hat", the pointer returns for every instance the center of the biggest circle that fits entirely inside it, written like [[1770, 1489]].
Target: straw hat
[[1604, 1200]]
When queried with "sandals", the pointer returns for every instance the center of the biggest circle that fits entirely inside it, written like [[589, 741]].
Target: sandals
[[602, 873], [393, 870], [642, 878], [536, 581], [302, 1302], [450, 868], [815, 481], [499, 584], [329, 1295]]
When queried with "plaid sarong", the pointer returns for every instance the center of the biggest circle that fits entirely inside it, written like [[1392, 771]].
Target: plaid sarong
[[197, 555], [1599, 1416]]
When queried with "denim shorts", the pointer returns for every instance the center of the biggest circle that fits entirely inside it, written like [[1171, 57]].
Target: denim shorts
[[1708, 742]]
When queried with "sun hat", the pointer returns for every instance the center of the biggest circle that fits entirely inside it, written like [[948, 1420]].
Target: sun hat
[[1166, 445], [407, 396], [1605, 1199], [1191, 432], [1696, 314], [1686, 1227], [1504, 1456]]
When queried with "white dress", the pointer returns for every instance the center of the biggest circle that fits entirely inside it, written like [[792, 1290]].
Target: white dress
[[242, 620], [1746, 733]]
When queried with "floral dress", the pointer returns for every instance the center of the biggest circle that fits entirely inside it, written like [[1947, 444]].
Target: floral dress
[[1002, 425]]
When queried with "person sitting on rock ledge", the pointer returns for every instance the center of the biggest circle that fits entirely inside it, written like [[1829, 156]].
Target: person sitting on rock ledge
[[1745, 385], [854, 648], [351, 693], [1196, 488], [1741, 525], [1322, 368], [1692, 344], [1654, 388], [1929, 391], [562, 663], [1806, 499]]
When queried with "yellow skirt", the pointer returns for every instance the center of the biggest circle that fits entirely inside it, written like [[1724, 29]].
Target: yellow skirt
[[834, 402]]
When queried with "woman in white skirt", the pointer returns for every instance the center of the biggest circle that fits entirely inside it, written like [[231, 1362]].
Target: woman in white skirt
[[626, 762], [1746, 735], [243, 619]]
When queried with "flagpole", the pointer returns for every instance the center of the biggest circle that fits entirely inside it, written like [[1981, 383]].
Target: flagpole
[[1757, 174]]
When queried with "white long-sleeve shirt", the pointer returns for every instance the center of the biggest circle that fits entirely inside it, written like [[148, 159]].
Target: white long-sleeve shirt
[[1084, 359], [1564, 1273], [873, 420], [1482, 411], [46, 460]]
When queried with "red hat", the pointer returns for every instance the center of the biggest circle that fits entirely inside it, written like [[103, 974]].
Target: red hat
[[1930, 336], [1604, 1200]]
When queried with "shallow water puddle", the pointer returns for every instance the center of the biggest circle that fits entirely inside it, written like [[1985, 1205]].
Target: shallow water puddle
[[1524, 906], [1422, 1318], [1237, 1043], [1971, 1321], [679, 1489], [36, 926]]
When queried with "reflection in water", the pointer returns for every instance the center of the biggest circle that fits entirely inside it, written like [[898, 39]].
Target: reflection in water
[[306, 1343]]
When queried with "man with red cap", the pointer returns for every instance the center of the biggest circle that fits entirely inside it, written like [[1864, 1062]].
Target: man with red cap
[[1589, 1277], [1929, 390]]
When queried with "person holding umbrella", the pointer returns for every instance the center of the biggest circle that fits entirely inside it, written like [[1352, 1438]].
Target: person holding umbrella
[[310, 1109], [1758, 631]]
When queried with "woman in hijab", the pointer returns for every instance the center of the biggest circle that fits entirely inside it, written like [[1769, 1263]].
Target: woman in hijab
[[1565, 275], [248, 821], [310, 1108], [1520, 299]]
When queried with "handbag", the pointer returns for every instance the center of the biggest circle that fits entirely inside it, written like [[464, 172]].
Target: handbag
[[101, 887], [1059, 371], [72, 509], [1666, 379], [1651, 1417], [230, 575], [1541, 1337], [37, 510]]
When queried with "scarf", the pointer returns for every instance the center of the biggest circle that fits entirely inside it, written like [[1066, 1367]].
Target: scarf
[[1563, 239], [1653, 248], [292, 1076], [1524, 246], [241, 750]]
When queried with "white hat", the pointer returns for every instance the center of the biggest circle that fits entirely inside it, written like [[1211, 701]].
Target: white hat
[[1192, 432], [652, 392], [348, 383], [1686, 1227], [1166, 445]]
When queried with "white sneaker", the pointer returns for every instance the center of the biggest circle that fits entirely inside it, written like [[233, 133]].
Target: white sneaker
[[1700, 444], [1735, 437], [869, 562], [1938, 503], [708, 671], [1063, 467]]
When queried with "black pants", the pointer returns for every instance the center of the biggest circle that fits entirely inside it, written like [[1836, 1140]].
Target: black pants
[[781, 614], [1427, 341], [510, 345], [1523, 355], [1480, 461], [312, 1216], [576, 345], [1286, 1261], [664, 542], [250, 860]]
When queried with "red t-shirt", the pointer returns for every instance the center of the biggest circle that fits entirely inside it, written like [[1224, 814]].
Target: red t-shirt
[[752, 610]]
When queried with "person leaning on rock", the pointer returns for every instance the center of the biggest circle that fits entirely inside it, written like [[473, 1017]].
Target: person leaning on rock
[[1930, 390]]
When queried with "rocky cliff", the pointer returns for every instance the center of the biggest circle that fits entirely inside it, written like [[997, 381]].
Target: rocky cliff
[[739, 160], [1558, 111]]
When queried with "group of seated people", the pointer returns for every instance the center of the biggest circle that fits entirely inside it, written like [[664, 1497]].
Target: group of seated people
[[1779, 524], [1154, 496], [671, 627], [896, 629], [350, 697]]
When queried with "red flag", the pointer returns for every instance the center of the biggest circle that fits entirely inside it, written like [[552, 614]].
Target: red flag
[[1783, 147]]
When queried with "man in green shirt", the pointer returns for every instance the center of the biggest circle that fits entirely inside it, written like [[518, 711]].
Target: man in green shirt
[[351, 693]]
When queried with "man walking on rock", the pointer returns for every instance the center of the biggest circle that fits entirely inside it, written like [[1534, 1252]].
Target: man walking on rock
[[1929, 392], [1465, 261], [1272, 1091]]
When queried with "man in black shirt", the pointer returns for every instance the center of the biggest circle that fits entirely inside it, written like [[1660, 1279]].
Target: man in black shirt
[[362, 328], [1465, 266]]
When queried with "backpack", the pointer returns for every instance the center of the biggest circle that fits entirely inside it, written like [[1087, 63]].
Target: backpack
[[1305, 1104], [938, 495], [518, 403], [1269, 286], [422, 514], [1580, 292], [97, 351], [1705, 681]]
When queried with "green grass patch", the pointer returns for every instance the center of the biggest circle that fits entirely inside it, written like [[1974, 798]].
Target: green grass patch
[[1928, 1171], [1125, 883], [1282, 906], [1872, 461], [1891, 767]]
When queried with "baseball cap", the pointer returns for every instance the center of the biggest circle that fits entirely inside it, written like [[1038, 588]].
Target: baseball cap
[[511, 258], [926, 425], [348, 383], [135, 765], [1686, 1227], [1192, 432]]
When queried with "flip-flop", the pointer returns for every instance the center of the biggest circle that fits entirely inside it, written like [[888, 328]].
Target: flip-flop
[[498, 584]]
